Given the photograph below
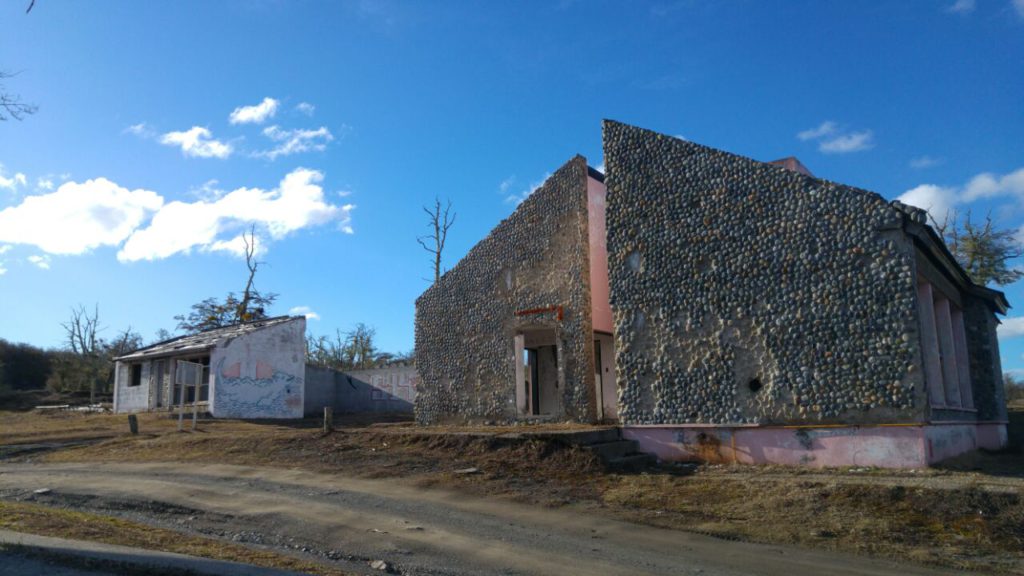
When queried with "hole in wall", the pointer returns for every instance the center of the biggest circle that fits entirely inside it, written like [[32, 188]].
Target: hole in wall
[[755, 385], [634, 261]]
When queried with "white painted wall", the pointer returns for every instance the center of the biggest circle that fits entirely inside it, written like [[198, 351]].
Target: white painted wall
[[260, 375], [130, 398]]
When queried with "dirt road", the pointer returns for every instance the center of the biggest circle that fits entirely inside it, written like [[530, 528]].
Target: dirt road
[[351, 522]]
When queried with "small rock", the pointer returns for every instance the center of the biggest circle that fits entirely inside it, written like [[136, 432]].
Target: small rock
[[380, 565], [468, 471], [42, 491]]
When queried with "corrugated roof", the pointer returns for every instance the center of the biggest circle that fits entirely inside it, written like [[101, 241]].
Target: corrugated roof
[[206, 340]]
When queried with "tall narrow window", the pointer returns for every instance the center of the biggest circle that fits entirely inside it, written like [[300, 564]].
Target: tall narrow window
[[136, 379]]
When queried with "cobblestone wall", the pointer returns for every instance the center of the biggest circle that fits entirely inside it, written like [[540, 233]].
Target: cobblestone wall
[[466, 322], [986, 369], [746, 293]]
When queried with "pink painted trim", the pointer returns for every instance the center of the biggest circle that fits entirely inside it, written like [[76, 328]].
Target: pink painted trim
[[908, 446]]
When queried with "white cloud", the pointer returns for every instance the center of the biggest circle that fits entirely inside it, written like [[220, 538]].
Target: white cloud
[[824, 129], [2, 269], [142, 130], [197, 142], [40, 261], [845, 143], [988, 185], [78, 217], [306, 108], [178, 227], [961, 7], [517, 199], [506, 185], [1018, 5], [832, 140], [4, 248], [12, 182], [257, 114], [44, 183], [295, 141], [304, 311], [922, 162], [937, 200], [236, 246], [1011, 328]]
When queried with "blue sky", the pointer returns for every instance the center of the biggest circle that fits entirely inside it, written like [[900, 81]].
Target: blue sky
[[165, 129]]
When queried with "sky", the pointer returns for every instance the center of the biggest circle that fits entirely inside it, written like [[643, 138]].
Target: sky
[[165, 130]]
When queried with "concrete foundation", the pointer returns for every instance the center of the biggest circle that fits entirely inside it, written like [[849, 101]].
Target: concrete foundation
[[883, 446]]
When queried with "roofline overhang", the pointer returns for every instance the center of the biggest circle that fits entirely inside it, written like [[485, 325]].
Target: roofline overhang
[[165, 353], [928, 241]]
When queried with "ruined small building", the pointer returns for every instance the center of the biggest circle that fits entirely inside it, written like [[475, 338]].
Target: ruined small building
[[718, 307], [251, 370]]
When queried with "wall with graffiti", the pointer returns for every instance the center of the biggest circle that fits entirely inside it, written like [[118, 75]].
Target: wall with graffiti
[[261, 374]]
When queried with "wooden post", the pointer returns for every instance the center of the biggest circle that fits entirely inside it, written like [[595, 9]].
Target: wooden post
[[196, 406], [133, 424], [328, 419], [181, 407]]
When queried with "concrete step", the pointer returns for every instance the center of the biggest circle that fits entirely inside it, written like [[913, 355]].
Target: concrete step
[[584, 437], [631, 463], [612, 450]]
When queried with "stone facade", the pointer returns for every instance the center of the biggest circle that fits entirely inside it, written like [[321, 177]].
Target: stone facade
[[531, 269], [743, 292], [759, 314], [986, 368]]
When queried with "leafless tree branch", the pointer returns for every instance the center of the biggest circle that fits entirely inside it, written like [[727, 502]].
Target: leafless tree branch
[[440, 222]]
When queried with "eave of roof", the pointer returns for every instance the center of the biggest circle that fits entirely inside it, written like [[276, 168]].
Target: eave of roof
[[928, 240], [202, 341]]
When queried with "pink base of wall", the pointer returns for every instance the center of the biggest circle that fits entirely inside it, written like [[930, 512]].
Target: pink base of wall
[[911, 446]]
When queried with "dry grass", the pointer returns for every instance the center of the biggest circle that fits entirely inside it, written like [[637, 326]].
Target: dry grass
[[37, 519], [968, 519]]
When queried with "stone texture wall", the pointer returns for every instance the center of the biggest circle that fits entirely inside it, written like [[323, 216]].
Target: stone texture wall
[[746, 293], [986, 368], [466, 322]]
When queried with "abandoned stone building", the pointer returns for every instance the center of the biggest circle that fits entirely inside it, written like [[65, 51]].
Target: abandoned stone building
[[717, 307], [255, 370]]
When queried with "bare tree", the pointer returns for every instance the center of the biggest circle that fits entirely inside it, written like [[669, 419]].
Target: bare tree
[[243, 314], [82, 331], [11, 105], [440, 223], [983, 250], [251, 307]]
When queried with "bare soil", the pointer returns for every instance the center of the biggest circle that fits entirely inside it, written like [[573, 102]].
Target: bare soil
[[968, 514]]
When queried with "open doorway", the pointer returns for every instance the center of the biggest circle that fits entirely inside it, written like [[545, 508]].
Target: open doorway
[[604, 377], [537, 372]]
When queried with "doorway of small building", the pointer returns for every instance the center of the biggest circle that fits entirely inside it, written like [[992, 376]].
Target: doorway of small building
[[537, 385], [607, 392]]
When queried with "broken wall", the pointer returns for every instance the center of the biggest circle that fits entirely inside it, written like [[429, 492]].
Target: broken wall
[[535, 259], [743, 292]]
